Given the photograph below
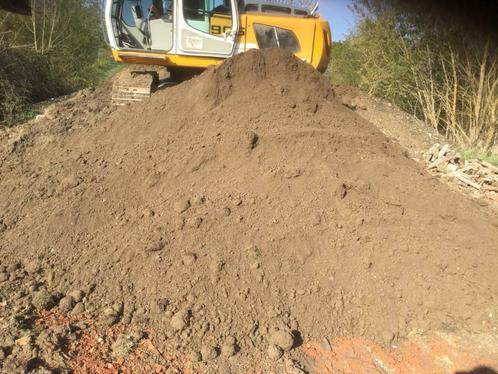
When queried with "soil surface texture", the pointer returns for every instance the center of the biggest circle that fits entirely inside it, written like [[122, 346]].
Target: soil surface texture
[[229, 219]]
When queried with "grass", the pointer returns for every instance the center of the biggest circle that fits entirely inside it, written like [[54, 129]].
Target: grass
[[106, 68], [469, 154], [30, 113]]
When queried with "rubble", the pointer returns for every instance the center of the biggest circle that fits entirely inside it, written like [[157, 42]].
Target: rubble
[[474, 174]]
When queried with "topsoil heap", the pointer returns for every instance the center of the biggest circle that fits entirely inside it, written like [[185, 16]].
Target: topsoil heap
[[245, 204]]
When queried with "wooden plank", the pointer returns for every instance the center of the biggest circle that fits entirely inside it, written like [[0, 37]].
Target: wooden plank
[[491, 188], [467, 181], [490, 166]]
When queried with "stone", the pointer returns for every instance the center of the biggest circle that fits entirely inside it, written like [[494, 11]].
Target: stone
[[66, 304], [77, 295], [123, 346], [252, 140], [79, 308], [108, 320], [343, 191], [283, 339], [13, 267], [216, 265]]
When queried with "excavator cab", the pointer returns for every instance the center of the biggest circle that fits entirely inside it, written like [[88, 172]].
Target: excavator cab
[[178, 27]]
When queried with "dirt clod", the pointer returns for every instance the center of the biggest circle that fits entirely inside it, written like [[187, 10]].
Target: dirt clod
[[66, 304], [4, 277], [156, 246], [70, 181], [189, 259], [229, 348], [209, 352], [274, 352], [180, 320], [43, 300], [196, 357], [181, 206], [32, 266]]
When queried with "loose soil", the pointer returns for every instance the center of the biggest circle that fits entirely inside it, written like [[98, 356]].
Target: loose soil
[[235, 215], [417, 137]]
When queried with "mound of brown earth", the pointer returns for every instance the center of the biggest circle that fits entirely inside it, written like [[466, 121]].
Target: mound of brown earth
[[243, 212]]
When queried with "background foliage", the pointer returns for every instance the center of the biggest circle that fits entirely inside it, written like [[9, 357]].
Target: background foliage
[[437, 65], [54, 52]]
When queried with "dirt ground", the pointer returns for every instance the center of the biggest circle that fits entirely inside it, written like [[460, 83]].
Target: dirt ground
[[223, 224], [413, 135]]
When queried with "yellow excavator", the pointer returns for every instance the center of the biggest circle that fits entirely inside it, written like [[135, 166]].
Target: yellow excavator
[[187, 36]]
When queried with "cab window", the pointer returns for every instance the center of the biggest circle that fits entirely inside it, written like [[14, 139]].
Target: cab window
[[210, 16]]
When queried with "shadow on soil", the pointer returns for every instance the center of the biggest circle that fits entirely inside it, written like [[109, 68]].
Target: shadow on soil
[[479, 370]]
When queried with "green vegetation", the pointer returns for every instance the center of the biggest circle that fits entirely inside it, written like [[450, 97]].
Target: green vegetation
[[435, 66], [58, 50], [469, 154], [345, 66]]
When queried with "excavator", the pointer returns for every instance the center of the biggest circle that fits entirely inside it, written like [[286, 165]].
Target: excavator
[[187, 36]]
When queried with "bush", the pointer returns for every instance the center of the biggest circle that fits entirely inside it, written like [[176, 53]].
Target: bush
[[435, 70], [344, 66], [25, 78], [53, 53]]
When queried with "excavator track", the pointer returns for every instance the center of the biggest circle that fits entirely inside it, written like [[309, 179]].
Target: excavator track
[[134, 85], [138, 83]]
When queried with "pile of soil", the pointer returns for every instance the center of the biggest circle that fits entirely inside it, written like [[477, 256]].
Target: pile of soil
[[241, 213]]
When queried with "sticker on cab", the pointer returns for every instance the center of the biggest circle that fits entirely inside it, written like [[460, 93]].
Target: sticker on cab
[[194, 42]]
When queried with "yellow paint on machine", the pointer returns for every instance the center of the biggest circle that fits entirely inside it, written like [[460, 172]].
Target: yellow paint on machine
[[313, 34]]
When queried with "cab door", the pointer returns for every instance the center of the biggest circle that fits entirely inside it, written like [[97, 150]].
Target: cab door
[[207, 27]]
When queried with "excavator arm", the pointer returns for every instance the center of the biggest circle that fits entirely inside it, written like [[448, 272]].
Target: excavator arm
[[16, 6]]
